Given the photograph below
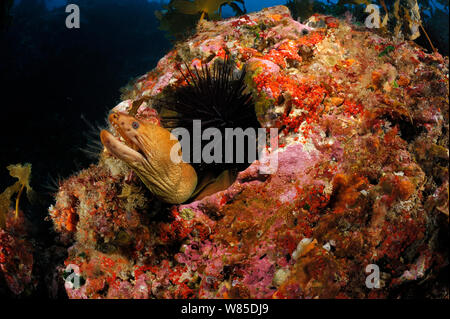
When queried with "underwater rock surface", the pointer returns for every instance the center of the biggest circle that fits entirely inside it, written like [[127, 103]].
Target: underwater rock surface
[[362, 176], [16, 256]]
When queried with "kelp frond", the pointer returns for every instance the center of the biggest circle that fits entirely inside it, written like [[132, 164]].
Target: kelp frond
[[210, 9], [23, 174], [404, 16], [179, 17]]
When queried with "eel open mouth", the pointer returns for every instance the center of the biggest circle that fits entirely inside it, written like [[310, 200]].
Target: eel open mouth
[[125, 147]]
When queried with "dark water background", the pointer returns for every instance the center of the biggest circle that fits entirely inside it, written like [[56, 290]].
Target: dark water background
[[56, 82]]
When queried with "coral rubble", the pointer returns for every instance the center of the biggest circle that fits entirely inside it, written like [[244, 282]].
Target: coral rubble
[[362, 176]]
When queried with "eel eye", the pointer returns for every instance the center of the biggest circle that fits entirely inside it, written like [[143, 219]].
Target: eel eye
[[135, 125]]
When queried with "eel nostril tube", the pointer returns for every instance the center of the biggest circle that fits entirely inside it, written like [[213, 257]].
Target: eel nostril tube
[[113, 116]]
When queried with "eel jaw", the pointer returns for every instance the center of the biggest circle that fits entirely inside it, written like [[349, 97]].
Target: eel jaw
[[121, 150]]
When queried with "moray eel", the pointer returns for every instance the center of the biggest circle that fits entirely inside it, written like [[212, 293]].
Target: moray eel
[[147, 150]]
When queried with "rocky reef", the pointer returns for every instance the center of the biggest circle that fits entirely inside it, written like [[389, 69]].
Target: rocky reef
[[362, 176], [16, 256]]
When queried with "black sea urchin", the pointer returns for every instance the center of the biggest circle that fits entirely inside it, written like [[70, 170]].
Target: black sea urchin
[[218, 97]]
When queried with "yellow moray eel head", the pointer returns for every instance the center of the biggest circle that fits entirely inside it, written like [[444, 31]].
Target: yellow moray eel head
[[147, 150]]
